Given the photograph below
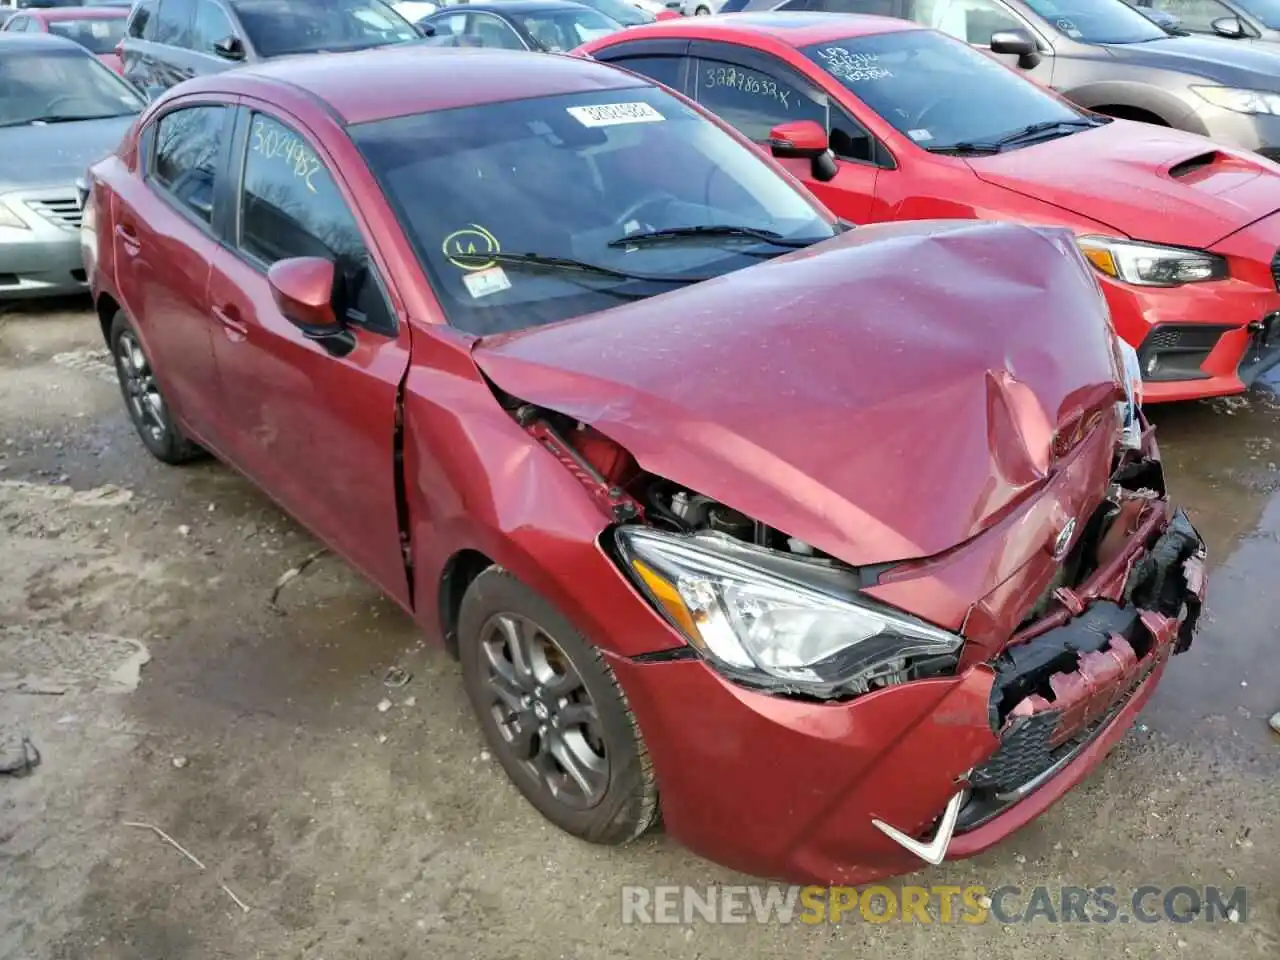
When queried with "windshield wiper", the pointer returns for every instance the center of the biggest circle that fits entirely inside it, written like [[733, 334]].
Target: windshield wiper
[[60, 118], [714, 230], [966, 148], [538, 260], [1034, 130]]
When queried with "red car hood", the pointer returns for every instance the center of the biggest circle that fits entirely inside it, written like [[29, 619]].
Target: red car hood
[[113, 61], [1136, 179], [884, 395]]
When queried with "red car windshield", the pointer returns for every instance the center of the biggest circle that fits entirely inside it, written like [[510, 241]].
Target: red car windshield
[[568, 185], [48, 87], [938, 91], [278, 28], [98, 35]]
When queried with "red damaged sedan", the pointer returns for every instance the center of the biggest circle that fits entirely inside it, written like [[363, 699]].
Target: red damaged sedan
[[886, 120], [801, 537]]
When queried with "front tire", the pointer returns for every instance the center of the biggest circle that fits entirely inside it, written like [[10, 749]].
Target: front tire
[[553, 713], [143, 399]]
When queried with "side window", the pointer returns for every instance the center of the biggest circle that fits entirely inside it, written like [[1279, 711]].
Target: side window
[[665, 70], [850, 140], [142, 22], [752, 101], [973, 21], [17, 24], [211, 25], [173, 25], [186, 156], [452, 25], [1196, 15], [493, 31], [291, 207]]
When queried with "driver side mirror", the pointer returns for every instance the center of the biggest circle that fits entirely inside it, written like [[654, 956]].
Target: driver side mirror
[[805, 140], [1017, 43], [427, 29], [1230, 27], [229, 48], [303, 288]]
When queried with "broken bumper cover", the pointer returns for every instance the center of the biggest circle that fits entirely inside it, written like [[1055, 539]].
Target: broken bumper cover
[[793, 790]]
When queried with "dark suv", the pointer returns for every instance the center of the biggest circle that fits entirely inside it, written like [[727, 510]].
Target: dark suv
[[168, 41]]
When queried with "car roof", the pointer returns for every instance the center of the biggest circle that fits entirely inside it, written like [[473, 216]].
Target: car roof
[[791, 28], [53, 14], [13, 42], [413, 78], [509, 6]]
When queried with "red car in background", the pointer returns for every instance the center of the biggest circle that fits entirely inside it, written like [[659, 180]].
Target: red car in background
[[886, 120], [729, 513], [98, 29]]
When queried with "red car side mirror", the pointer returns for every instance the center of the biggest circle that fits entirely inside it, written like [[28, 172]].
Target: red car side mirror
[[805, 140], [302, 288], [799, 138]]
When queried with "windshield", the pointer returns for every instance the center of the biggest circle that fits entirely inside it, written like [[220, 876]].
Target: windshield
[[573, 177], [621, 11], [561, 30], [97, 36], [1098, 21], [936, 90], [277, 28], [54, 87], [1268, 11]]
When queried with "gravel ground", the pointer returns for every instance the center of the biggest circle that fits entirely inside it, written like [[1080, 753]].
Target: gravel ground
[[140, 652]]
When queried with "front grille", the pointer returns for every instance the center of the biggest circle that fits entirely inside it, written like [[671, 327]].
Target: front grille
[[65, 212], [1275, 269]]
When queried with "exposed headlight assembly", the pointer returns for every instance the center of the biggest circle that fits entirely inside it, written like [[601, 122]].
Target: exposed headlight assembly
[[1240, 100], [1151, 265], [760, 628], [1127, 409]]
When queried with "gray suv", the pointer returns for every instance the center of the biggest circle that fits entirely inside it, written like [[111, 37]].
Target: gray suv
[[168, 41], [1108, 57]]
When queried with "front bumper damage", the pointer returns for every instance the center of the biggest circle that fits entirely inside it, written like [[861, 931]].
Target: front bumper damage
[[1066, 681]]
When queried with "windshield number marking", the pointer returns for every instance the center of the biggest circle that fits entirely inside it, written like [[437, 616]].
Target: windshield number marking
[[275, 143], [612, 114], [853, 67], [754, 86]]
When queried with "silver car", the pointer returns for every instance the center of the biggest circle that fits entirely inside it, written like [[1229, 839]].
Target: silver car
[[60, 110]]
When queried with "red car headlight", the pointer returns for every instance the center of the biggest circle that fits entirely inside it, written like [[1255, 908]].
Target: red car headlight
[[764, 630]]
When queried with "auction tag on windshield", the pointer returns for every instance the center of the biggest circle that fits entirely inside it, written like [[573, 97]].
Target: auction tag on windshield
[[612, 114], [481, 283], [919, 135]]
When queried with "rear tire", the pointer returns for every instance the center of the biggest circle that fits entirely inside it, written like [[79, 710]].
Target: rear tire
[[701, 11], [553, 713], [142, 397]]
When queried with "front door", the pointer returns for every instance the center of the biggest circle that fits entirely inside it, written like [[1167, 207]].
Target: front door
[[755, 93], [315, 426]]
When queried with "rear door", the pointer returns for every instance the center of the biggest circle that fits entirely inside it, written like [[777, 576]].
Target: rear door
[[164, 245], [313, 424]]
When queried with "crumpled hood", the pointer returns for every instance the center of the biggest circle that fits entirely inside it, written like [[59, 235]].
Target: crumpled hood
[[1254, 67], [1135, 178], [884, 395], [56, 154]]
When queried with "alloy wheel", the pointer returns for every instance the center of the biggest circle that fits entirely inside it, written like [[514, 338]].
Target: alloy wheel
[[146, 405], [545, 715]]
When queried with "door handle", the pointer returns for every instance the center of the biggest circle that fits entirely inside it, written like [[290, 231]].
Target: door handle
[[235, 328], [128, 238]]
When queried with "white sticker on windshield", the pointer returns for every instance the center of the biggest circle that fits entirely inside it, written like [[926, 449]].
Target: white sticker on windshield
[[918, 135], [100, 28], [1069, 28], [481, 283], [612, 114]]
